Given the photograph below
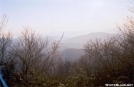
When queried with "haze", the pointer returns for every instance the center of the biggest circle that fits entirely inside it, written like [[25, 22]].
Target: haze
[[73, 17]]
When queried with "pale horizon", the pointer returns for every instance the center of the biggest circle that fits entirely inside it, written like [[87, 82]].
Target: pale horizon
[[73, 17]]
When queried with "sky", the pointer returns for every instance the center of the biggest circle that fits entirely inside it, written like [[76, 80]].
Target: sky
[[73, 17]]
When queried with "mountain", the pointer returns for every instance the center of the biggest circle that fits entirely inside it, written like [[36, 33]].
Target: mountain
[[72, 48], [72, 54], [85, 38], [79, 41]]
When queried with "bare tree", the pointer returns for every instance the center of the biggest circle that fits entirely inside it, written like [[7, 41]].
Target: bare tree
[[3, 22], [6, 61], [111, 59], [34, 54]]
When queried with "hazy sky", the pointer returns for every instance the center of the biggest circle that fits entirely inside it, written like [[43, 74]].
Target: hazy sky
[[73, 17]]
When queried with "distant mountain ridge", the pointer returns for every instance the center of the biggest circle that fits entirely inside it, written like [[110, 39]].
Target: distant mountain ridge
[[85, 38], [79, 41], [72, 48]]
